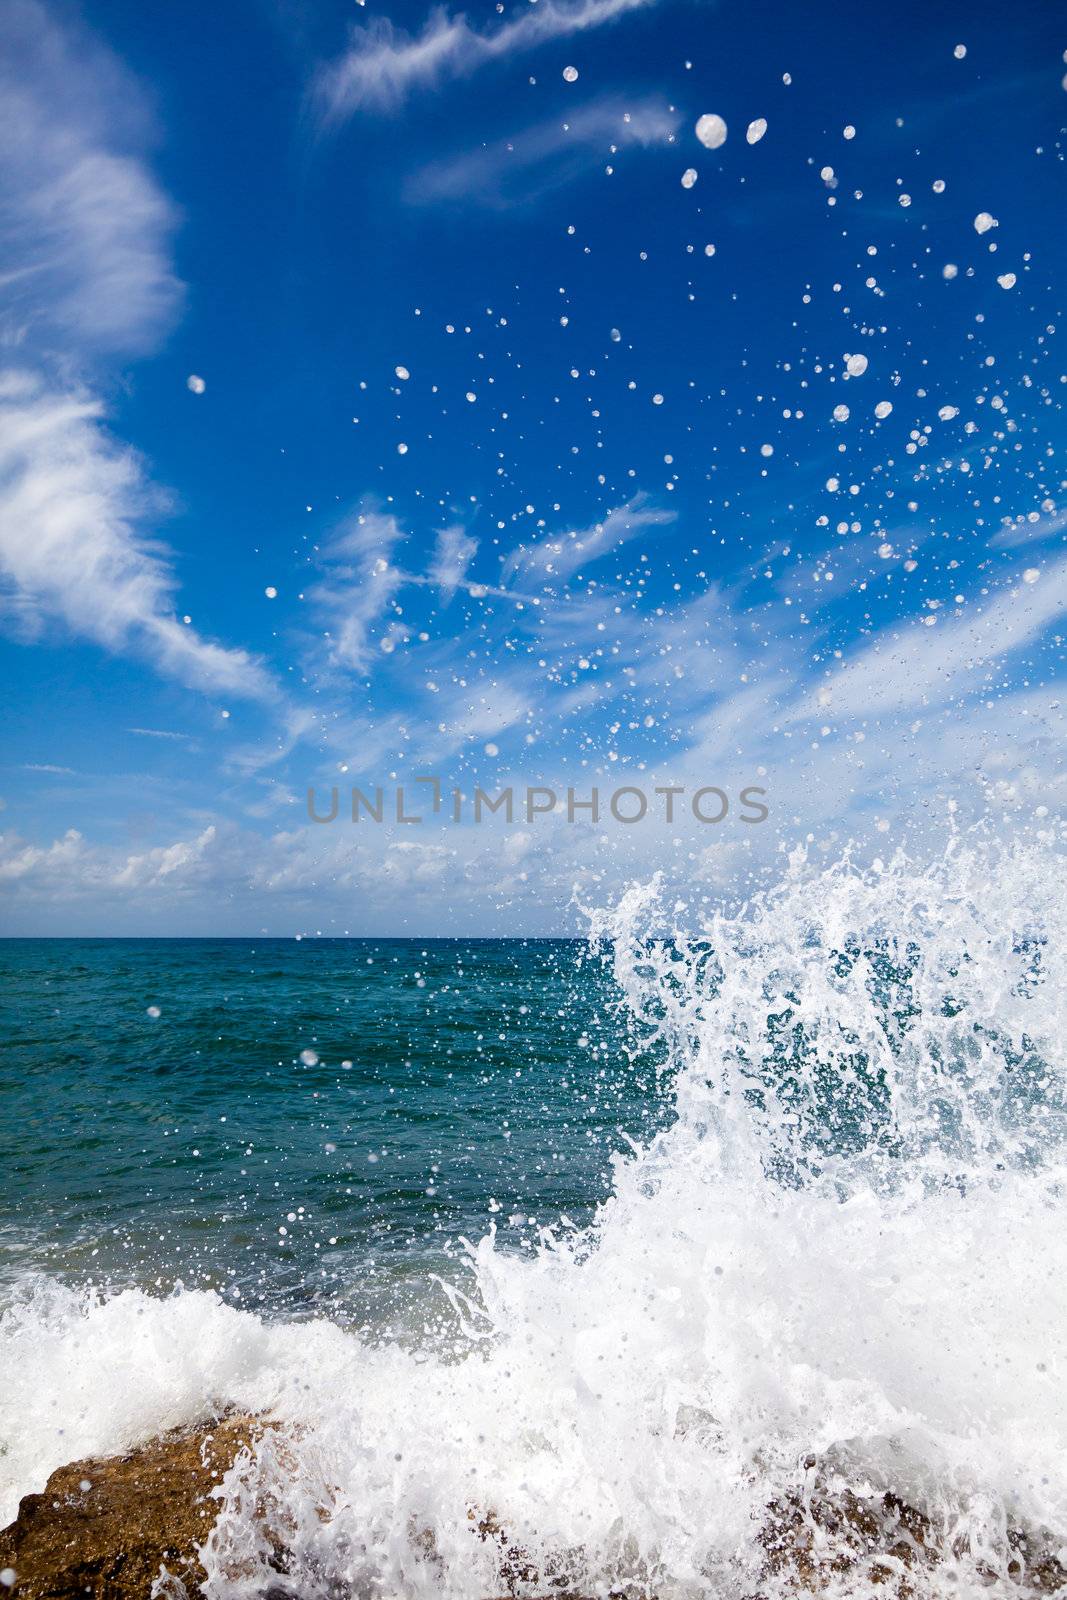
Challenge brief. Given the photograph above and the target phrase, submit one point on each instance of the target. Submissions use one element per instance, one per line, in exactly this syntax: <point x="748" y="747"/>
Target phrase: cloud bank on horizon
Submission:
<point x="575" y="449"/>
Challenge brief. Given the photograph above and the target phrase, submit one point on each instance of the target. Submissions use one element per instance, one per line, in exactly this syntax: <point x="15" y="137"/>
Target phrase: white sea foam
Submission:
<point x="843" y="1265"/>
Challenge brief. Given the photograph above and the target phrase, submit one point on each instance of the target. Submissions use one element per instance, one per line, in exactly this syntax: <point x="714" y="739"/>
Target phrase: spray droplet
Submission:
<point x="711" y="130"/>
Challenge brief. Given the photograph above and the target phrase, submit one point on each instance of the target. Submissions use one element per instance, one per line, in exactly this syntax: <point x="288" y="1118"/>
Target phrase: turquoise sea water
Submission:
<point x="305" y="1126"/>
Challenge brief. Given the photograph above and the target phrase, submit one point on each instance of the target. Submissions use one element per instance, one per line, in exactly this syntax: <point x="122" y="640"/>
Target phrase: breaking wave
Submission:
<point x="818" y="1334"/>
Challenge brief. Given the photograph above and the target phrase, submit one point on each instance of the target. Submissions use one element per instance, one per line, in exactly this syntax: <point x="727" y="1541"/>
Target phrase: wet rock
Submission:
<point x="128" y="1528"/>
<point x="816" y="1542"/>
<point x="106" y="1527"/>
<point x="811" y="1543"/>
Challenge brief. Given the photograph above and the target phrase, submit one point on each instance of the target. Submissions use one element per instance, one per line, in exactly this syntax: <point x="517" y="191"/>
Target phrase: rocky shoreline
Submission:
<point x="109" y="1526"/>
<point x="129" y="1527"/>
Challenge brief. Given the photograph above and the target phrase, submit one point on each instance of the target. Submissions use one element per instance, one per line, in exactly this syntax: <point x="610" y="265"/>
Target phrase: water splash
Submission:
<point x="830" y="1297"/>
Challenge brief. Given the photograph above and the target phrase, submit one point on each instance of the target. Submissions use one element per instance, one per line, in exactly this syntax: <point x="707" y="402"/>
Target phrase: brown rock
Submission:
<point x="140" y="1512"/>
<point x="106" y="1528"/>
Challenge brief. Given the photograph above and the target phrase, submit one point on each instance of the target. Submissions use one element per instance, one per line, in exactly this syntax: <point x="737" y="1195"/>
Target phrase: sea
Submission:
<point x="565" y="1266"/>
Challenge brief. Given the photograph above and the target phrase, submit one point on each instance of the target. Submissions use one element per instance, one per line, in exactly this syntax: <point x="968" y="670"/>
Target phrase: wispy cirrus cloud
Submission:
<point x="383" y="65"/>
<point x="545" y="156"/>
<point x="84" y="227"/>
<point x="86" y="234"/>
<point x="453" y="553"/>
<point x="72" y="501"/>
<point x="555" y="558"/>
<point x="914" y="665"/>
<point x="160" y="733"/>
<point x="359" y="581"/>
<point x="1032" y="529"/>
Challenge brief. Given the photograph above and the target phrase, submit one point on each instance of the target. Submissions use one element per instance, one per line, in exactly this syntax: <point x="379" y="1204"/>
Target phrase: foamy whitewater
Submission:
<point x="842" y="1267"/>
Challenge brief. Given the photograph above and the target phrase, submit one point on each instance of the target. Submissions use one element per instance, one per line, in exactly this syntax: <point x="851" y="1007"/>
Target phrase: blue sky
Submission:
<point x="379" y="397"/>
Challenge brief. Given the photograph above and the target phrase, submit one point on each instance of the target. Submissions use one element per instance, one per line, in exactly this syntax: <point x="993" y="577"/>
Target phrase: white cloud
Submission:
<point x="176" y="861"/>
<point x="915" y="665"/>
<point x="71" y="867"/>
<point x="86" y="233"/>
<point x="383" y="65"/>
<point x="53" y="864"/>
<point x="477" y="712"/>
<point x="360" y="580"/>
<point x="84" y="227"/>
<point x="438" y="877"/>
<point x="453" y="554"/>
<point x="1030" y="529"/>
<point x="544" y="156"/>
<point x="555" y="558"/>
<point x="71" y="504"/>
